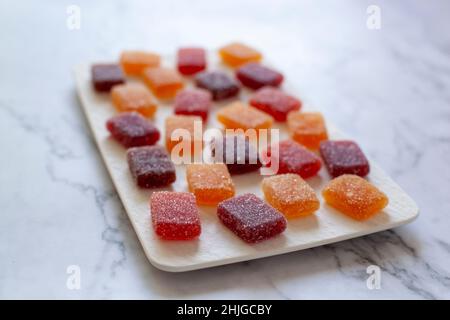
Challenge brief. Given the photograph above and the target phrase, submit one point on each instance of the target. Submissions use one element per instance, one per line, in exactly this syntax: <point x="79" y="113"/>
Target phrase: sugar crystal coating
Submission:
<point x="237" y="115"/>
<point x="151" y="166"/>
<point x="307" y="128"/>
<point x="218" y="83"/>
<point x="250" y="218"/>
<point x="132" y="130"/>
<point x="134" y="62"/>
<point x="290" y="194"/>
<point x="341" y="157"/>
<point x="274" y="102"/>
<point x="164" y="82"/>
<point x="105" y="76"/>
<point x="354" y="196"/>
<point x="236" y="54"/>
<point x="191" y="60"/>
<point x="175" y="215"/>
<point x="133" y="97"/>
<point x="195" y="102"/>
<point x="254" y="76"/>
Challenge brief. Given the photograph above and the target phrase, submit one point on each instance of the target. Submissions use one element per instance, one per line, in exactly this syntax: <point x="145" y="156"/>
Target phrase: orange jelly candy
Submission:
<point x="236" y="54"/>
<point x="290" y="194"/>
<point x="164" y="82"/>
<point x="354" y="196"/>
<point x="307" y="128"/>
<point x="183" y="122"/>
<point x="134" y="62"/>
<point x="210" y="183"/>
<point x="239" y="116"/>
<point x="133" y="97"/>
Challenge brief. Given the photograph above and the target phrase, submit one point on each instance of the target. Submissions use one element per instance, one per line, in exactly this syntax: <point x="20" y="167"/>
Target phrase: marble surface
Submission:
<point x="389" y="88"/>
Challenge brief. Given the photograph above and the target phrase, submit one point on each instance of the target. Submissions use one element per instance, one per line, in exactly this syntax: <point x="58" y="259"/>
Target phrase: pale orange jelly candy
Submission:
<point x="307" y="128"/>
<point x="237" y="115"/>
<point x="133" y="97"/>
<point x="210" y="183"/>
<point x="187" y="123"/>
<point x="290" y="194"/>
<point x="134" y="62"/>
<point x="354" y="196"/>
<point x="164" y="82"/>
<point x="236" y="54"/>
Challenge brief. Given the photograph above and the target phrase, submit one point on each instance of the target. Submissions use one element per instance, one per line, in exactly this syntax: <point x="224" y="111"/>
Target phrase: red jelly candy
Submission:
<point x="274" y="102"/>
<point x="344" y="157"/>
<point x="250" y="218"/>
<point x="193" y="102"/>
<point x="175" y="215"/>
<point x="151" y="166"/>
<point x="191" y="60"/>
<point x="218" y="83"/>
<point x="254" y="76"/>
<point x="105" y="76"/>
<point x="132" y="130"/>
<point x="292" y="157"/>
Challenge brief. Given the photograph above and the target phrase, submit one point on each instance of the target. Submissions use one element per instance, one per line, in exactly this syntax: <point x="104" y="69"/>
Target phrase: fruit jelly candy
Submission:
<point x="218" y="83"/>
<point x="134" y="62"/>
<point x="182" y="122"/>
<point x="195" y="102"/>
<point x="250" y="218"/>
<point x="236" y="54"/>
<point x="237" y="115"/>
<point x="191" y="60"/>
<point x="237" y="153"/>
<point x="254" y="76"/>
<point x="354" y="196"/>
<point x="133" y="97"/>
<point x="307" y="128"/>
<point x="175" y="215"/>
<point x="274" y="102"/>
<point x="164" y="82"/>
<point x="105" y="76"/>
<point x="151" y="166"/>
<point x="294" y="158"/>
<point x="341" y="157"/>
<point x="132" y="130"/>
<point x="210" y="183"/>
<point x="290" y="194"/>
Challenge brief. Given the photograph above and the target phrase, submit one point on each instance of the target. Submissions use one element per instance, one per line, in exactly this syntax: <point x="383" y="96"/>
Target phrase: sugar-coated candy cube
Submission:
<point x="237" y="153"/>
<point x="164" y="82"/>
<point x="254" y="76"/>
<point x="105" y="76"/>
<point x="151" y="166"/>
<point x="218" y="83"/>
<point x="354" y="196"/>
<point x="237" y="115"/>
<point x="290" y="194"/>
<point x="307" y="128"/>
<point x="175" y="215"/>
<point x="250" y="218"/>
<point x="133" y="97"/>
<point x="236" y="54"/>
<point x="294" y="158"/>
<point x="191" y="60"/>
<point x="132" y="130"/>
<point x="194" y="102"/>
<point x="341" y="157"/>
<point x="274" y="102"/>
<point x="210" y="183"/>
<point x="188" y="123"/>
<point x="134" y="62"/>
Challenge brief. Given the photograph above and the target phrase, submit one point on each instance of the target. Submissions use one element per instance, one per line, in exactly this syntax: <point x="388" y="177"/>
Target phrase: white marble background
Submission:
<point x="388" y="88"/>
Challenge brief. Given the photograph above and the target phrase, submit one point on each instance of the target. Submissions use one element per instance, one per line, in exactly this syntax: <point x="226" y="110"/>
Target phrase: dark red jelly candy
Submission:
<point x="344" y="157"/>
<point x="175" y="215"/>
<point x="274" y="102"/>
<point x="151" y="166"/>
<point x="292" y="157"/>
<point x="191" y="60"/>
<point x="250" y="218"/>
<point x="254" y="76"/>
<point x="105" y="76"/>
<point x="237" y="153"/>
<point x="132" y="130"/>
<point x="218" y="83"/>
<point x="193" y="102"/>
